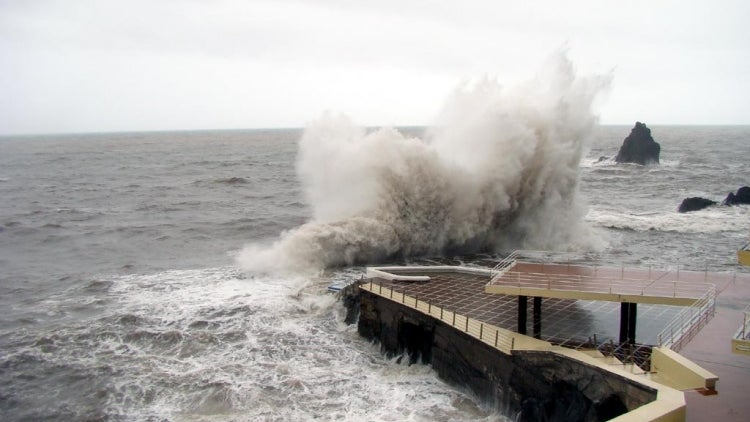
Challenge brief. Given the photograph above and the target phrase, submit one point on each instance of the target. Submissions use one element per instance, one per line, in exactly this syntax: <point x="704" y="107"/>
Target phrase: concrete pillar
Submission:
<point x="632" y="318"/>
<point x="537" y="317"/>
<point x="522" y="308"/>
<point x="628" y="318"/>
<point x="623" y="322"/>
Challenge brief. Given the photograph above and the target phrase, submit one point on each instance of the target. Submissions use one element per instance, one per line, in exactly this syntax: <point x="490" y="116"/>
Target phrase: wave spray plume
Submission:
<point x="499" y="169"/>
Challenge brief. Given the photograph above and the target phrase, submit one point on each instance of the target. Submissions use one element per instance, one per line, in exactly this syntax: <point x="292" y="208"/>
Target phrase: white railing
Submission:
<point x="686" y="324"/>
<point x="603" y="284"/>
<point x="744" y="332"/>
<point x="534" y="255"/>
<point x="504" y="264"/>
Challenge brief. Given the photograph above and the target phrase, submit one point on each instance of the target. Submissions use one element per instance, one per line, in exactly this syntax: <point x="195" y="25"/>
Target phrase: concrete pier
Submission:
<point x="415" y="309"/>
<point x="529" y="382"/>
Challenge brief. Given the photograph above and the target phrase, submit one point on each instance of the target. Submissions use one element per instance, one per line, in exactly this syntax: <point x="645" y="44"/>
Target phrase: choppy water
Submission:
<point x="637" y="206"/>
<point x="120" y="298"/>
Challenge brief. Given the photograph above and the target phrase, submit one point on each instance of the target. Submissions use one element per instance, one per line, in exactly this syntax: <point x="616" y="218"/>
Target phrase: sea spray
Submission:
<point x="499" y="169"/>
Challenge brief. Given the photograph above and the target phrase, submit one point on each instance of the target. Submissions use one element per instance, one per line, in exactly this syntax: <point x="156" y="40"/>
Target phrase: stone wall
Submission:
<point x="527" y="385"/>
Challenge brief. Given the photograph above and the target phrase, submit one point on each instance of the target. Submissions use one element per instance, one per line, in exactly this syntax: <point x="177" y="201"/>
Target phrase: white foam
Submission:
<point x="212" y="345"/>
<point x="711" y="220"/>
<point x="499" y="170"/>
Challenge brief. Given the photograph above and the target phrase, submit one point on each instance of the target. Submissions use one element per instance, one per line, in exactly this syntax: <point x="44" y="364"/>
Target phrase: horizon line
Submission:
<point x="269" y="128"/>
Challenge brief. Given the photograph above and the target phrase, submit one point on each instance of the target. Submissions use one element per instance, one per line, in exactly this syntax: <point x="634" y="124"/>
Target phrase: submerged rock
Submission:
<point x="741" y="197"/>
<point x="639" y="147"/>
<point x="694" y="204"/>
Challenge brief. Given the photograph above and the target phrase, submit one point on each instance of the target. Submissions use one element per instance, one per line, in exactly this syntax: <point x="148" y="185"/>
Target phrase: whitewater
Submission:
<point x="498" y="169"/>
<point x="182" y="275"/>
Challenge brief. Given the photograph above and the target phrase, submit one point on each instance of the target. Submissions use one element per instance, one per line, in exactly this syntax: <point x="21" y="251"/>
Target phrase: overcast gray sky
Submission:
<point x="82" y="66"/>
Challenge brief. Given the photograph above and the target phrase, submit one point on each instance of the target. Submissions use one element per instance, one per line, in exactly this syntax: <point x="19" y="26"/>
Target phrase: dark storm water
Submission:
<point x="119" y="297"/>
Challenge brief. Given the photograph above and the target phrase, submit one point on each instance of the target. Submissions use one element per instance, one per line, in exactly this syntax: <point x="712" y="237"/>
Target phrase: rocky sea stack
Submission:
<point x="639" y="147"/>
<point x="741" y="197"/>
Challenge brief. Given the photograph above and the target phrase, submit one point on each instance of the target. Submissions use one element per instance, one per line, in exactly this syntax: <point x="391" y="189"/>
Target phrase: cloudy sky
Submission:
<point x="88" y="66"/>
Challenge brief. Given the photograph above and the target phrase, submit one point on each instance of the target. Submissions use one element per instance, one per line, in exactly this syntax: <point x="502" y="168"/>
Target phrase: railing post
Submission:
<point x="497" y="332"/>
<point x="481" y="329"/>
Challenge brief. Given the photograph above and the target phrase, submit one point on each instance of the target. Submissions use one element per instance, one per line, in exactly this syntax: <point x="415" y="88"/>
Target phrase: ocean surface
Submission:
<point x="121" y="296"/>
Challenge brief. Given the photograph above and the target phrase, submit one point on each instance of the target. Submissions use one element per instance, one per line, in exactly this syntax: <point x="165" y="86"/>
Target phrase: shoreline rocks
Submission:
<point x="639" y="147"/>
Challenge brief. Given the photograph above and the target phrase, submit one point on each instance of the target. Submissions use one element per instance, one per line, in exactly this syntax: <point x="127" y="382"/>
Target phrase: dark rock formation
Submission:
<point x="639" y="147"/>
<point x="694" y="204"/>
<point x="349" y="295"/>
<point x="741" y="197"/>
<point x="526" y="385"/>
<point x="697" y="203"/>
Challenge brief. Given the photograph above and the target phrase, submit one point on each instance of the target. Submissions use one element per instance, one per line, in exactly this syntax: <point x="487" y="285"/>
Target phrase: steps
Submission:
<point x="613" y="361"/>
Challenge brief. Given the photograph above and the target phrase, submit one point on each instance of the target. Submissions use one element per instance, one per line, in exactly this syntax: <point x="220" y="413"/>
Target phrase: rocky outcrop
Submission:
<point x="526" y="385"/>
<point x="741" y="197"/>
<point x="639" y="147"/>
<point x="695" y="204"/>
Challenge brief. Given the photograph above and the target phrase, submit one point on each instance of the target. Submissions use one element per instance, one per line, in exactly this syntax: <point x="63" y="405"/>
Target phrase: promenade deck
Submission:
<point x="580" y="309"/>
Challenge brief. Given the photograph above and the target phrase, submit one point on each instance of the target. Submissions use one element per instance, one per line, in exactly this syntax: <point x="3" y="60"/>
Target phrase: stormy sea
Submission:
<point x="182" y="275"/>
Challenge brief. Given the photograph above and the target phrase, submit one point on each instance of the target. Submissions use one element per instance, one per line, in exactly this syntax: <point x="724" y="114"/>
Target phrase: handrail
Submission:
<point x="511" y="259"/>
<point x="639" y="355"/>
<point x="504" y="264"/>
<point x="685" y="325"/>
<point x="600" y="284"/>
<point x="744" y="332"/>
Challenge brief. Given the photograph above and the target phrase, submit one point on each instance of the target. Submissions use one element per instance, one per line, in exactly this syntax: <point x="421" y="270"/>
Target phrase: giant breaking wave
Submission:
<point x="499" y="169"/>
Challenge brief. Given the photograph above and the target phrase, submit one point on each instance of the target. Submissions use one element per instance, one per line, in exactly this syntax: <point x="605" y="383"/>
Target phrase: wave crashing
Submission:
<point x="499" y="169"/>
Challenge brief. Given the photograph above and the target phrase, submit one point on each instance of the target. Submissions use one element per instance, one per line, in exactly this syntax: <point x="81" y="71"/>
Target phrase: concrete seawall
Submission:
<point x="525" y="384"/>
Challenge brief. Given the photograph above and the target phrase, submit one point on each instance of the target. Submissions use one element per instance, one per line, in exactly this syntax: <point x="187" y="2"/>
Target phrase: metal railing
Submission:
<point x="603" y="284"/>
<point x="744" y="332"/>
<point x="499" y="338"/>
<point x="502" y="266"/>
<point x="686" y="324"/>
<point x="628" y="355"/>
